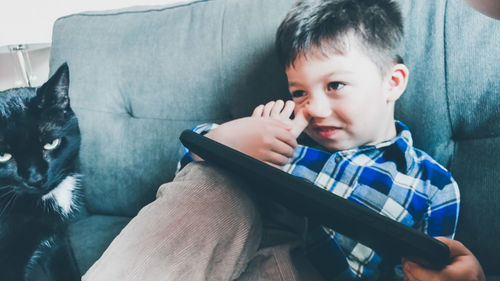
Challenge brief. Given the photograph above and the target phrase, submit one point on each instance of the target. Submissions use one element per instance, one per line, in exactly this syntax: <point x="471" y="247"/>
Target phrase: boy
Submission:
<point x="344" y="75"/>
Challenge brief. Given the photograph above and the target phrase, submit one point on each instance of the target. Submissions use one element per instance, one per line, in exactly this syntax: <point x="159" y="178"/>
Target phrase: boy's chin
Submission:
<point x="333" y="145"/>
<point x="342" y="141"/>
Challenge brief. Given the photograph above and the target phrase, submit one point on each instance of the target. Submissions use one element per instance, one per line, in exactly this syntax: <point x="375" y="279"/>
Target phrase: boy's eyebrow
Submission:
<point x="293" y="83"/>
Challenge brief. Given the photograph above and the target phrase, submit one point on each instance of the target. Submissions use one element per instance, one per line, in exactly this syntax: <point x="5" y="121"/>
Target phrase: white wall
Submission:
<point x="30" y="21"/>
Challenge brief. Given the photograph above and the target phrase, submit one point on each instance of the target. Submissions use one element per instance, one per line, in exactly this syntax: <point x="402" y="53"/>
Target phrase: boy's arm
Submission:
<point x="443" y="211"/>
<point x="268" y="135"/>
<point x="265" y="139"/>
<point x="441" y="222"/>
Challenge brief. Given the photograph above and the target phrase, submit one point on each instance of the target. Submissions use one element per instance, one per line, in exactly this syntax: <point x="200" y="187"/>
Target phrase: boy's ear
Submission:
<point x="397" y="82"/>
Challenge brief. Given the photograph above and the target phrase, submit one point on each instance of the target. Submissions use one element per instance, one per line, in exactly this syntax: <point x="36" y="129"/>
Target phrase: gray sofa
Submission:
<point x="139" y="76"/>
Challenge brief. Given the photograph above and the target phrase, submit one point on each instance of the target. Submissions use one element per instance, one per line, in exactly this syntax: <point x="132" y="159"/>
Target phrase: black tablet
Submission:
<point x="387" y="237"/>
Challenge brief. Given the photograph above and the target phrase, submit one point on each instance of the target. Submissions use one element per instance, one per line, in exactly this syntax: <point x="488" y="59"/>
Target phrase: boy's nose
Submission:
<point x="319" y="106"/>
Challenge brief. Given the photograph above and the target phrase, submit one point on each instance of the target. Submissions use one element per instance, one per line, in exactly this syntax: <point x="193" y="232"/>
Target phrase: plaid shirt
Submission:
<point x="392" y="178"/>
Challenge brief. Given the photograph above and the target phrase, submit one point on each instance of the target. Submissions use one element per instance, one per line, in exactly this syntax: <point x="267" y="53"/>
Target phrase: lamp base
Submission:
<point x="20" y="51"/>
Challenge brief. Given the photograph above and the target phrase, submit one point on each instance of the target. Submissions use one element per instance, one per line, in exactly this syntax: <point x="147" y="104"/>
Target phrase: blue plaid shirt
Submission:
<point x="392" y="178"/>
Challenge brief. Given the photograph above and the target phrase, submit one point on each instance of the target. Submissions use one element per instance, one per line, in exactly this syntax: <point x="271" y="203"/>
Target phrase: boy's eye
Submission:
<point x="333" y="86"/>
<point x="4" y="157"/>
<point x="298" y="94"/>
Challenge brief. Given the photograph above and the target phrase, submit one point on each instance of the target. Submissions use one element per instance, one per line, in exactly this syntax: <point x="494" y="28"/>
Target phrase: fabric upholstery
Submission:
<point x="141" y="75"/>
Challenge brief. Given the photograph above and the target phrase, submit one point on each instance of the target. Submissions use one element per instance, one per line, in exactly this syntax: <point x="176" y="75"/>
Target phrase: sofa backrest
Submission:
<point x="139" y="76"/>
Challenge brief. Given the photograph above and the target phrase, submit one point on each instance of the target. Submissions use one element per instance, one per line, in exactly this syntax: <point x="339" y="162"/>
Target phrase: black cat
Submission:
<point x="39" y="145"/>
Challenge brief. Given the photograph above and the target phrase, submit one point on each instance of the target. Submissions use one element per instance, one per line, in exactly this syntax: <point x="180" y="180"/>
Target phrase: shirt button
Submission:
<point x="338" y="159"/>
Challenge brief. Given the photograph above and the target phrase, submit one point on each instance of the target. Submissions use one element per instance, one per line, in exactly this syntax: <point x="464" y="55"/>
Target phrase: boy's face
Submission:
<point x="349" y="102"/>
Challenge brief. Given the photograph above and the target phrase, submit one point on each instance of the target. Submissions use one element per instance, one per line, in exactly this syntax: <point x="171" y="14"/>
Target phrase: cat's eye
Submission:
<point x="4" y="157"/>
<point x="52" y="145"/>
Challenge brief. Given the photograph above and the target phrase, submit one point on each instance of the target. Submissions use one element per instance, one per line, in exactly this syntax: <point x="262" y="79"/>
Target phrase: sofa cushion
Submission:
<point x="141" y="76"/>
<point x="90" y="236"/>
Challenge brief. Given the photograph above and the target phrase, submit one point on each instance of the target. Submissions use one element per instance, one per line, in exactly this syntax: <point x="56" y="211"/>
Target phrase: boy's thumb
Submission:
<point x="299" y="123"/>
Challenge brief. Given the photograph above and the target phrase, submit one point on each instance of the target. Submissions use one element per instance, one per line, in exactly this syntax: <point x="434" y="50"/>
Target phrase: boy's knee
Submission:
<point x="213" y="198"/>
<point x="216" y="213"/>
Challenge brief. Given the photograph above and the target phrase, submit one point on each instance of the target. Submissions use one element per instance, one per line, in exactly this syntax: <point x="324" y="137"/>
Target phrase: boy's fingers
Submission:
<point x="299" y="123"/>
<point x="288" y="109"/>
<point x="456" y="247"/>
<point x="283" y="148"/>
<point x="267" y="109"/>
<point x="414" y="272"/>
<point x="277" y="160"/>
<point x="286" y="125"/>
<point x="288" y="138"/>
<point x="277" y="107"/>
<point x="257" y="112"/>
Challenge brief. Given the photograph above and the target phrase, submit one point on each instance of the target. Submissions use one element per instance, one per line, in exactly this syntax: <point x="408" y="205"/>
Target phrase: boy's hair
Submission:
<point x="326" y="25"/>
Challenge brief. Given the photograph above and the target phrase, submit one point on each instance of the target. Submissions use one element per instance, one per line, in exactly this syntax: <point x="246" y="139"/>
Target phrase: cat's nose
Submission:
<point x="35" y="179"/>
<point x="34" y="175"/>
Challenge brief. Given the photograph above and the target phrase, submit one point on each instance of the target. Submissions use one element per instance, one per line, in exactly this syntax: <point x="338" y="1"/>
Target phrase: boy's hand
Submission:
<point x="265" y="139"/>
<point x="463" y="266"/>
<point x="282" y="111"/>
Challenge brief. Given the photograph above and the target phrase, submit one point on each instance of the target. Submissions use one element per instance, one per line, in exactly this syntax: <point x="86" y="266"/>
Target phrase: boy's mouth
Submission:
<point x="325" y="131"/>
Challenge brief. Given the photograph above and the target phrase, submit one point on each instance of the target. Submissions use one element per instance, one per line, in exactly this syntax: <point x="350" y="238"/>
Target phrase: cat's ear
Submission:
<point x="55" y="92"/>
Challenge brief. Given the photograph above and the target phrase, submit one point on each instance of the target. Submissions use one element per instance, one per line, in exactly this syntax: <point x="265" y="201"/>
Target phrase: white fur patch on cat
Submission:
<point x="62" y="195"/>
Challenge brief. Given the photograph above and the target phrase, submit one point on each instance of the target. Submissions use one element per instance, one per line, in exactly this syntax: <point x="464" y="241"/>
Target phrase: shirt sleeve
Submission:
<point x="442" y="215"/>
<point x="184" y="154"/>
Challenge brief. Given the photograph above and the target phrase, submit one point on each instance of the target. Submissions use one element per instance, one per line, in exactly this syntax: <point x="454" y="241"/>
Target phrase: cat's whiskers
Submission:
<point x="5" y="186"/>
<point x="10" y="202"/>
<point x="7" y="193"/>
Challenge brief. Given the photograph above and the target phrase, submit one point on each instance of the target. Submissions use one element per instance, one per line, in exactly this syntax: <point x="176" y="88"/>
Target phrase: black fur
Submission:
<point x="39" y="145"/>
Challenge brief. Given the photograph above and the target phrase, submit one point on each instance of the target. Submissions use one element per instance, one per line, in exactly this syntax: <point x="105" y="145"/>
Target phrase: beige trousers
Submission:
<point x="207" y="225"/>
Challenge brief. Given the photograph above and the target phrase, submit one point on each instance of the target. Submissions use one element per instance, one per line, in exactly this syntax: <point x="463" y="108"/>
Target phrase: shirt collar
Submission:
<point x="399" y="149"/>
<point x="402" y="134"/>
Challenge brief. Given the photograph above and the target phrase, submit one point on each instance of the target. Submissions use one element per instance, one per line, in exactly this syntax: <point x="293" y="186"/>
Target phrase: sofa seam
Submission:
<point x="221" y="63"/>
<point x="114" y="12"/>
<point x="445" y="66"/>
<point x="446" y="88"/>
